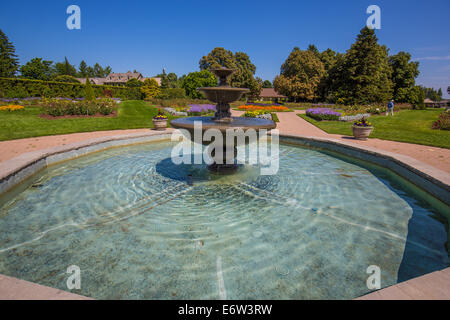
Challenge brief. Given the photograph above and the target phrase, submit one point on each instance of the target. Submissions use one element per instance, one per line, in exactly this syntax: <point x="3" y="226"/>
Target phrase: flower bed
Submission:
<point x="323" y="114"/>
<point x="258" y="114"/>
<point x="64" y="107"/>
<point x="11" y="107"/>
<point x="200" y="109"/>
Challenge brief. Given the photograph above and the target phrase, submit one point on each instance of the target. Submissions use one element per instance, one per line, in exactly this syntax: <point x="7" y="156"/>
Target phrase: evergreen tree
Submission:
<point x="9" y="64"/>
<point x="82" y="69"/>
<point x="107" y="71"/>
<point x="89" y="91"/>
<point x="65" y="68"/>
<point x="363" y="75"/>
<point x="164" y="80"/>
<point x="98" y="71"/>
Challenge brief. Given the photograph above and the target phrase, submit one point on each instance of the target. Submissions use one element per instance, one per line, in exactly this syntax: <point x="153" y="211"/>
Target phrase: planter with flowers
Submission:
<point x="362" y="129"/>
<point x="160" y="121"/>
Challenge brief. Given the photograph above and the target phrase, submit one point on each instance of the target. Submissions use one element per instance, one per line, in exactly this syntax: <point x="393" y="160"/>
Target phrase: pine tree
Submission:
<point x="82" y="70"/>
<point x="9" y="64"/>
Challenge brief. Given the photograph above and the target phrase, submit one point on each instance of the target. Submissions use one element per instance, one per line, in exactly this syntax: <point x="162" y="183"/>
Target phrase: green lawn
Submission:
<point x="413" y="126"/>
<point x="27" y="123"/>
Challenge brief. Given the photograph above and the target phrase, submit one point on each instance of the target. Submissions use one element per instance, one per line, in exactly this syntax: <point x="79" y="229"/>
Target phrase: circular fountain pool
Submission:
<point x="140" y="227"/>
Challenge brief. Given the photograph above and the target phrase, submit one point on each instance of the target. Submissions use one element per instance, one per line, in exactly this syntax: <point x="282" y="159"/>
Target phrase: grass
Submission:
<point x="413" y="126"/>
<point x="27" y="123"/>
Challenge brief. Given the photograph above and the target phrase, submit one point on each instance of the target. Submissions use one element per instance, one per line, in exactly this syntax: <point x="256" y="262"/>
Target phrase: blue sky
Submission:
<point x="151" y="35"/>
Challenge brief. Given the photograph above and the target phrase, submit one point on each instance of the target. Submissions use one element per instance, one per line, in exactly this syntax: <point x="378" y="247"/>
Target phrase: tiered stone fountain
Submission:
<point x="223" y="95"/>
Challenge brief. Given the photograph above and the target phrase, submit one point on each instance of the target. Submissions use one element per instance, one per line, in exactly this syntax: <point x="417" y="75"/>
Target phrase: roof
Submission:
<point x="123" y="77"/>
<point x="270" y="93"/>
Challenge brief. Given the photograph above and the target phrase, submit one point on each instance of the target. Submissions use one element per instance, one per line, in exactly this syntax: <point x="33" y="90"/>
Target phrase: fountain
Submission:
<point x="223" y="95"/>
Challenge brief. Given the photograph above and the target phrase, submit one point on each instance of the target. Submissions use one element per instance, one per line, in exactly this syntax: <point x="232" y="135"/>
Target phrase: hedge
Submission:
<point x="24" y="88"/>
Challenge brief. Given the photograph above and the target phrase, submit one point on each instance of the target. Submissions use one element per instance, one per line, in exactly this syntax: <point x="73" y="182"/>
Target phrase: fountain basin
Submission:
<point x="131" y="209"/>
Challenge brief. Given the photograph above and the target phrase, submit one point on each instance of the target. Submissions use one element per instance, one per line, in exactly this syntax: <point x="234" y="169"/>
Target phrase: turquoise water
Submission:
<point x="140" y="227"/>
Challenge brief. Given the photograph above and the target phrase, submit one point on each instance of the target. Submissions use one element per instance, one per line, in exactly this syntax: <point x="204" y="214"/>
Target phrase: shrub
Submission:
<point x="443" y="122"/>
<point x="172" y="93"/>
<point x="66" y="78"/>
<point x="88" y="91"/>
<point x="150" y="88"/>
<point x="323" y="114"/>
<point x="24" y="88"/>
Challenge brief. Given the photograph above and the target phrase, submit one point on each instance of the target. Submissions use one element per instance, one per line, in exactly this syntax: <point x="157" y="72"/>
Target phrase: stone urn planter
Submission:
<point x="160" y="124"/>
<point x="160" y="121"/>
<point x="362" y="129"/>
<point x="361" y="133"/>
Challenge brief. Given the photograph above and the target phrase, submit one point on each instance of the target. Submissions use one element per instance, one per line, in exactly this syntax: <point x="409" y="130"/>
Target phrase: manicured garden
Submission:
<point x="412" y="126"/>
<point x="27" y="122"/>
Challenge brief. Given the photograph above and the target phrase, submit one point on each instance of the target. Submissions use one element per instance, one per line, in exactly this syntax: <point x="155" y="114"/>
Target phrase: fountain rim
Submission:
<point x="224" y="88"/>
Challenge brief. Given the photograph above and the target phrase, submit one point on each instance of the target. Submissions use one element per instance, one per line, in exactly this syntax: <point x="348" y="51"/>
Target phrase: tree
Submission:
<point x="218" y="57"/>
<point x="239" y="61"/>
<point x="150" y="88"/>
<point x="329" y="59"/>
<point x="98" y="71"/>
<point x="37" y="69"/>
<point x="65" y="68"/>
<point x="414" y="95"/>
<point x="82" y="69"/>
<point x="404" y="73"/>
<point x="90" y="72"/>
<point x="267" y="84"/>
<point x="107" y="71"/>
<point x="9" y="64"/>
<point x="89" y="91"/>
<point x="64" y="78"/>
<point x="164" y="80"/>
<point x="196" y="80"/>
<point x="363" y="75"/>
<point x="314" y="50"/>
<point x="300" y="76"/>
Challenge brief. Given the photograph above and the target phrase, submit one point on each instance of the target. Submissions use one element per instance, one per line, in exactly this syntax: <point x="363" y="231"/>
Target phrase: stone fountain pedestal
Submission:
<point x="223" y="95"/>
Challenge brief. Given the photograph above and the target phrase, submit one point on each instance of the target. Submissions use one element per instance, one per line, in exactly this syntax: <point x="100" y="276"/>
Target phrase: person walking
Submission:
<point x="390" y="108"/>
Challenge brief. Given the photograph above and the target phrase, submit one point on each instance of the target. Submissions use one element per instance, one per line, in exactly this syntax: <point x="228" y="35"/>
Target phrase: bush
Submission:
<point x="88" y="91"/>
<point x="65" y="78"/>
<point x="150" y="89"/>
<point x="443" y="122"/>
<point x="24" y="88"/>
<point x="172" y="93"/>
